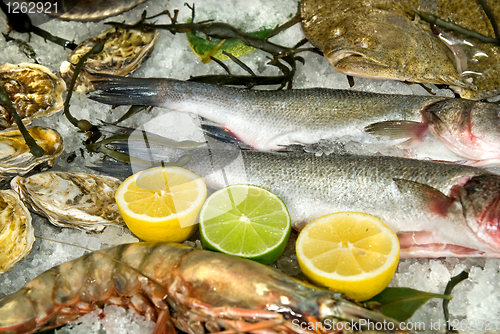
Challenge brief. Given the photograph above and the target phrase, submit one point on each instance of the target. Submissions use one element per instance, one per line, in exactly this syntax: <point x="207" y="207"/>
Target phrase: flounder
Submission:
<point x="387" y="40"/>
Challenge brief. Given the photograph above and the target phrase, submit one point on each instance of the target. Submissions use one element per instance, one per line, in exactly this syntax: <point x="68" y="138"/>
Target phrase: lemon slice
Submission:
<point x="162" y="203"/>
<point x="245" y="221"/>
<point x="350" y="252"/>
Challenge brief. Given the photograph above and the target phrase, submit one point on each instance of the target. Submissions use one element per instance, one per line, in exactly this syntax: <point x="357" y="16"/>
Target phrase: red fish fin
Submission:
<point x="224" y="135"/>
<point x="436" y="201"/>
<point x="398" y="129"/>
<point x="426" y="244"/>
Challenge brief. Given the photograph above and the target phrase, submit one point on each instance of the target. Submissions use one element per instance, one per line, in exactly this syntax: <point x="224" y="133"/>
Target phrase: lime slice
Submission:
<point x="245" y="221"/>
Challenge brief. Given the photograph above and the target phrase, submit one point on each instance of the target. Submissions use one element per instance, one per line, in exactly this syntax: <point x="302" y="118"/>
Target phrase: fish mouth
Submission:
<point x="359" y="64"/>
<point x="362" y="64"/>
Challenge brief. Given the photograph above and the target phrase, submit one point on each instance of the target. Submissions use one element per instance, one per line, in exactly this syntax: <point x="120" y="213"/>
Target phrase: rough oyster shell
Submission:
<point x="15" y="155"/>
<point x="124" y="51"/>
<point x="67" y="199"/>
<point x="34" y="91"/>
<point x="91" y="10"/>
<point x="16" y="232"/>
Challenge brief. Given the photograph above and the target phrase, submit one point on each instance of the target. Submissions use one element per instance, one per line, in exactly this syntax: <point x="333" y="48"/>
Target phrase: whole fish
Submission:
<point x="382" y="39"/>
<point x="272" y="120"/>
<point x="379" y="40"/>
<point x="437" y="209"/>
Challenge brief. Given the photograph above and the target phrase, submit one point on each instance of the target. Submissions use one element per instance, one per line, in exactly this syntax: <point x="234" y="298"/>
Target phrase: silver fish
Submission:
<point x="272" y="120"/>
<point x="437" y="209"/>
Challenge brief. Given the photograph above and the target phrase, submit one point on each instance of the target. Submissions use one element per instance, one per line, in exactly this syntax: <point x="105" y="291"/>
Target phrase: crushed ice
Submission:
<point x="474" y="299"/>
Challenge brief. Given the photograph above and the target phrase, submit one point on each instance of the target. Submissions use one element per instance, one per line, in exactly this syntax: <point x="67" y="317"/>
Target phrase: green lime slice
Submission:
<point x="245" y="221"/>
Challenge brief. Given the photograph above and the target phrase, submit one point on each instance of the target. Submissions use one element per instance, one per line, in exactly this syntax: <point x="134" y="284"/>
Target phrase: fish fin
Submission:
<point x="456" y="162"/>
<point x="223" y="135"/>
<point x="398" y="129"/>
<point x="436" y="201"/>
<point x="113" y="129"/>
<point x="111" y="167"/>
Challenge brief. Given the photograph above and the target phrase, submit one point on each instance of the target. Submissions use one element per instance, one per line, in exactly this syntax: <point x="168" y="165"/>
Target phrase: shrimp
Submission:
<point x="193" y="290"/>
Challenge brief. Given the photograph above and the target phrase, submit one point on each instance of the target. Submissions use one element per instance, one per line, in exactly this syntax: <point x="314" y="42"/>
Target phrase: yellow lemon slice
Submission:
<point x="350" y="252"/>
<point x="162" y="203"/>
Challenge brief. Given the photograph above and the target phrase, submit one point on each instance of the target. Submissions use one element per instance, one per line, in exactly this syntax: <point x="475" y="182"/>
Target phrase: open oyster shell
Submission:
<point x="33" y="90"/>
<point x="124" y="51"/>
<point x="15" y="155"/>
<point x="68" y="199"/>
<point x="16" y="232"/>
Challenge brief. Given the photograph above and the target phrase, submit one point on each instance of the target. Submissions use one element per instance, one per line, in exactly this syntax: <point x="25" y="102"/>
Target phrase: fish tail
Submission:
<point x="116" y="90"/>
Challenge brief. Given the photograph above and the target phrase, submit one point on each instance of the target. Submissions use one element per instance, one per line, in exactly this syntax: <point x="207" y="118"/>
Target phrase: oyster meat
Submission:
<point x="16" y="232"/>
<point x="33" y="90"/>
<point x="69" y="199"/>
<point x="15" y="155"/>
<point x="124" y="51"/>
<point x="91" y="10"/>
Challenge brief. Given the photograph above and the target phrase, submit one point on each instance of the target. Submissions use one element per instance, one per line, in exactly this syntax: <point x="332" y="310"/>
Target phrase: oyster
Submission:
<point x="15" y="155"/>
<point x="16" y="232"/>
<point x="69" y="199"/>
<point x="34" y="91"/>
<point x="124" y="51"/>
<point x="91" y="10"/>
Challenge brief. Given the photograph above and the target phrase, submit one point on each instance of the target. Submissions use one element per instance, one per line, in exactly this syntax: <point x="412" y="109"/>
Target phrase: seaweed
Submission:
<point x="433" y="19"/>
<point x="36" y="150"/>
<point x="449" y="287"/>
<point x="82" y="124"/>
<point x="23" y="47"/>
<point x="282" y="57"/>
<point x="21" y="22"/>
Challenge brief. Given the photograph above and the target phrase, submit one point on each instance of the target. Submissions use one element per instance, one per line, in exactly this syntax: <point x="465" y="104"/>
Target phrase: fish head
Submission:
<point x="469" y="129"/>
<point x="480" y="198"/>
<point x="378" y="42"/>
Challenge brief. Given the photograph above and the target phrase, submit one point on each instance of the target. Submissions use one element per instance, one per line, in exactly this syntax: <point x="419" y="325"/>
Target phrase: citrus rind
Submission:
<point x="357" y="283"/>
<point x="223" y="227"/>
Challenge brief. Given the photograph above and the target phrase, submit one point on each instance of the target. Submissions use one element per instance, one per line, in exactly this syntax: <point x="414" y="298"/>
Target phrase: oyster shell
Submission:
<point x="34" y="91"/>
<point x="91" y="10"/>
<point x="16" y="232"/>
<point x="69" y="199"/>
<point x="15" y="155"/>
<point x="124" y="51"/>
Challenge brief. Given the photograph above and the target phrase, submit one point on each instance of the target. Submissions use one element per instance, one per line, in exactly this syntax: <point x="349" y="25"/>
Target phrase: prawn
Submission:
<point x="193" y="290"/>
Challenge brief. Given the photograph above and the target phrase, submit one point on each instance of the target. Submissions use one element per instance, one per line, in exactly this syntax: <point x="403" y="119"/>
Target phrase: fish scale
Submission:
<point x="438" y="202"/>
<point x="273" y="120"/>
